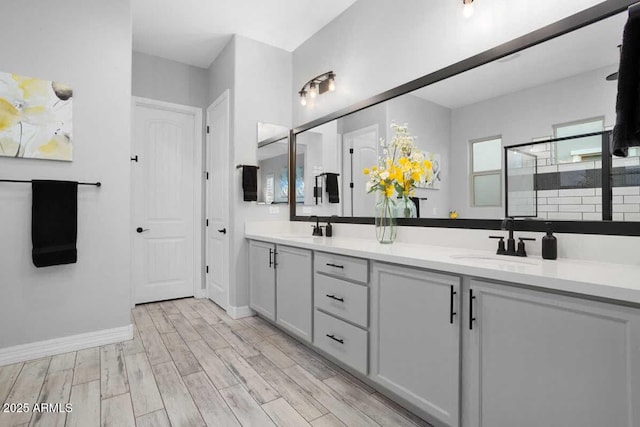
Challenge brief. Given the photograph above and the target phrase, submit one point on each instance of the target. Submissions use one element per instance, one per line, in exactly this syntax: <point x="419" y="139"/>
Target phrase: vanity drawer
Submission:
<point x="342" y="299"/>
<point x="343" y="341"/>
<point x="356" y="269"/>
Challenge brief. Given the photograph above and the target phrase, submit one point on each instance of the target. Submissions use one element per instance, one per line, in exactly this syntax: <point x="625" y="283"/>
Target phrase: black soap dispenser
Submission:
<point x="549" y="244"/>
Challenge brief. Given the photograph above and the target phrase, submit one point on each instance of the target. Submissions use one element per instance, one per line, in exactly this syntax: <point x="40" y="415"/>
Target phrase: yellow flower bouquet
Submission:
<point x="400" y="169"/>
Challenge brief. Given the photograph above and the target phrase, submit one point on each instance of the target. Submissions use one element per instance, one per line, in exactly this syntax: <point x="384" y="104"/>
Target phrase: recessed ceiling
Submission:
<point x="194" y="32"/>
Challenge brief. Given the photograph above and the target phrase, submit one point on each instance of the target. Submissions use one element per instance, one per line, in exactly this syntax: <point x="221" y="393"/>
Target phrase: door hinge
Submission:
<point x="208" y="130"/>
<point x="207" y="269"/>
<point x="207" y="173"/>
<point x="351" y="185"/>
<point x="207" y="221"/>
<point x="350" y="150"/>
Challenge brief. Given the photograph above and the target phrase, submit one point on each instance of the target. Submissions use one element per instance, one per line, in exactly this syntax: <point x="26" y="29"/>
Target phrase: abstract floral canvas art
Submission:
<point x="35" y="118"/>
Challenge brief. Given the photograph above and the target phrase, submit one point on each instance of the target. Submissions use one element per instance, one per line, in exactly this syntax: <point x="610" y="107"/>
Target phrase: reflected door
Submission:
<point x="360" y="151"/>
<point x="163" y="203"/>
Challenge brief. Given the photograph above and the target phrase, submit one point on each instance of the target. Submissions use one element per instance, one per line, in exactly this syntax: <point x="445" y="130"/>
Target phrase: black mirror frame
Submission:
<point x="574" y="22"/>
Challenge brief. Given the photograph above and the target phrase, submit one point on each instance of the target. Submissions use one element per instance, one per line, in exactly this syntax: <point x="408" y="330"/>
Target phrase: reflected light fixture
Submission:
<point x="467" y="8"/>
<point x="325" y="82"/>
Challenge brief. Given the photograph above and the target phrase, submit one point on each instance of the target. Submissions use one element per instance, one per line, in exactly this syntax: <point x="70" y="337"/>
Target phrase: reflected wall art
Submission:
<point x="35" y="118"/>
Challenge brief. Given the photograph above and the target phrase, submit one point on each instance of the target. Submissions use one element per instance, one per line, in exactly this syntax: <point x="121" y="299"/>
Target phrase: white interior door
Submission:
<point x="360" y="151"/>
<point x="164" y="200"/>
<point x="218" y="201"/>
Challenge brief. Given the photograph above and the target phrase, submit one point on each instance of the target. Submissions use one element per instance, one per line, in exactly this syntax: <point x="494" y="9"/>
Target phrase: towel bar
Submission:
<point x="97" y="184"/>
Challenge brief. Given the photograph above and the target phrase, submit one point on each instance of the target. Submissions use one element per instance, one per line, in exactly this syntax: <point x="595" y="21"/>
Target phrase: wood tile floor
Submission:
<point x="190" y="364"/>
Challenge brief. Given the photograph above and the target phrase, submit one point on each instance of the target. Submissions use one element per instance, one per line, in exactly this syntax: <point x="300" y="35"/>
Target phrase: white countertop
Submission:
<point x="603" y="280"/>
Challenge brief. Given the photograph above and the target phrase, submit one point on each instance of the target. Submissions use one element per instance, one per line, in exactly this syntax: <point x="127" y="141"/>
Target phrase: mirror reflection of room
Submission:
<point x="558" y="89"/>
<point x="273" y="163"/>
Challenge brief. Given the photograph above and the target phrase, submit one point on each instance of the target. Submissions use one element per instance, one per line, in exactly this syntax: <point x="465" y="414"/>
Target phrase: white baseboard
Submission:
<point x="240" y="312"/>
<point x="36" y="350"/>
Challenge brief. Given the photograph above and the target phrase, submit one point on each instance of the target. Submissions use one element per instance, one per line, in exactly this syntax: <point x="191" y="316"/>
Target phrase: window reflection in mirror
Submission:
<point x="273" y="160"/>
<point x="552" y="90"/>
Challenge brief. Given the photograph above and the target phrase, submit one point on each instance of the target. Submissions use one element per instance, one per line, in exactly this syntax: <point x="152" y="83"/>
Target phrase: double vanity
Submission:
<point x="461" y="337"/>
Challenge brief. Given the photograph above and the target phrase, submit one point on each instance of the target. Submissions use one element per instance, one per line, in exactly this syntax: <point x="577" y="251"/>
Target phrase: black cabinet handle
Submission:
<point x="270" y="259"/>
<point x="471" y="318"/>
<point x="275" y="258"/>
<point x="335" y="265"/>
<point x="333" y="337"/>
<point x="134" y="159"/>
<point x="335" y="298"/>
<point x="223" y="231"/>
<point x="141" y="230"/>
<point x="451" y="312"/>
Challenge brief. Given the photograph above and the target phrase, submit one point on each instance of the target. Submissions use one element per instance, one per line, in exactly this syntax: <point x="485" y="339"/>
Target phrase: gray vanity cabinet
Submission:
<point x="538" y="359"/>
<point x="262" y="278"/>
<point x="415" y="338"/>
<point x="294" y="290"/>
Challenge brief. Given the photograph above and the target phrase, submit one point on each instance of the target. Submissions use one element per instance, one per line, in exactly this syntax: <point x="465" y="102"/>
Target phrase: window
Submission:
<point x="580" y="149"/>
<point x="486" y="172"/>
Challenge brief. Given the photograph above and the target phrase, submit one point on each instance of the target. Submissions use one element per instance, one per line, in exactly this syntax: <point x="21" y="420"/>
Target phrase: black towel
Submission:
<point x="626" y="133"/>
<point x="332" y="187"/>
<point x="54" y="222"/>
<point x="250" y="183"/>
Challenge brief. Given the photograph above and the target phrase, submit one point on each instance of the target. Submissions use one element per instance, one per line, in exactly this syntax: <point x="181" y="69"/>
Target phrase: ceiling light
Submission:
<point x="317" y="86"/>
<point x="467" y="8"/>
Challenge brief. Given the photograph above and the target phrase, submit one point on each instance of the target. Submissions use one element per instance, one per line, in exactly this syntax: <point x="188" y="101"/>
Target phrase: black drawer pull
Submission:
<point x="451" y="308"/>
<point x="333" y="337"/>
<point x="335" y="298"/>
<point x="270" y="257"/>
<point x="335" y="265"/>
<point x="471" y="318"/>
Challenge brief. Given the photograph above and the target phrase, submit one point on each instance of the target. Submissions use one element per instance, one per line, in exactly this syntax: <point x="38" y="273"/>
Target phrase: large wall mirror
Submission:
<point x="553" y="102"/>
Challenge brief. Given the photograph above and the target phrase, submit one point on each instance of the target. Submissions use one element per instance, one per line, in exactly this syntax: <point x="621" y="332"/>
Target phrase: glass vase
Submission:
<point x="406" y="208"/>
<point x="386" y="228"/>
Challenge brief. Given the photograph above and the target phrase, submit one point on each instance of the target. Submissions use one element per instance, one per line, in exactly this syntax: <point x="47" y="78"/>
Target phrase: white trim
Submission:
<point x="198" y="220"/>
<point x="36" y="350"/>
<point x="240" y="312"/>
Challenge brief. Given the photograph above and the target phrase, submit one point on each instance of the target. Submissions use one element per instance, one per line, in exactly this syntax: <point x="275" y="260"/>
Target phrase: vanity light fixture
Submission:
<point x="467" y="8"/>
<point x="325" y="82"/>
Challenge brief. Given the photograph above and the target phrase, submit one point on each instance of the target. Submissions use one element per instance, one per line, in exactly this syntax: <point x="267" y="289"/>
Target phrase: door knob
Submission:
<point x="140" y="229"/>
<point x="223" y="231"/>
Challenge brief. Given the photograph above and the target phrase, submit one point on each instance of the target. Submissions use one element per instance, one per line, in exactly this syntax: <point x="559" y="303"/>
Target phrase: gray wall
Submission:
<point x="376" y="45"/>
<point x="521" y="116"/>
<point x="170" y="81"/>
<point x="88" y="47"/>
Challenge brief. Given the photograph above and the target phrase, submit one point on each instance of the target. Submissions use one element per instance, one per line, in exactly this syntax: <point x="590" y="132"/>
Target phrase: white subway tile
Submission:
<point x="618" y="200"/>
<point x="542" y="200"/>
<point x="542" y="215"/>
<point x="577" y="166"/>
<point x="587" y="216"/>
<point x="566" y="216"/>
<point x="598" y="208"/>
<point x="626" y="191"/>
<point x="632" y="216"/>
<point x="577" y="208"/>
<point x="626" y="208"/>
<point x="618" y="217"/>
<point x="595" y="200"/>
<point x="548" y="193"/>
<point x="542" y="162"/>
<point x="598" y="191"/>
<point x="631" y="199"/>
<point x="547" y="169"/>
<point x="547" y="208"/>
<point x="628" y="161"/>
<point x="564" y="200"/>
<point x="577" y="192"/>
<point x="544" y="155"/>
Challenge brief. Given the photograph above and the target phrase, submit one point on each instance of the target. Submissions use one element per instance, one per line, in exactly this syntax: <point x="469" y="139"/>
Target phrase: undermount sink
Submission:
<point x="495" y="259"/>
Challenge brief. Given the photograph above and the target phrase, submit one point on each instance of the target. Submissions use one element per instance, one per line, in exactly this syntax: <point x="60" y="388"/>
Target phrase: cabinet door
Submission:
<point x="262" y="279"/>
<point x="540" y="359"/>
<point x="293" y="272"/>
<point x="415" y="340"/>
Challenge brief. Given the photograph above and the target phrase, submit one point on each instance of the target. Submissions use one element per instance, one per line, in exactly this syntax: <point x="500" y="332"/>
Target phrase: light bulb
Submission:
<point x="313" y="90"/>
<point x="303" y="98"/>
<point x="467" y="9"/>
<point x="332" y="84"/>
